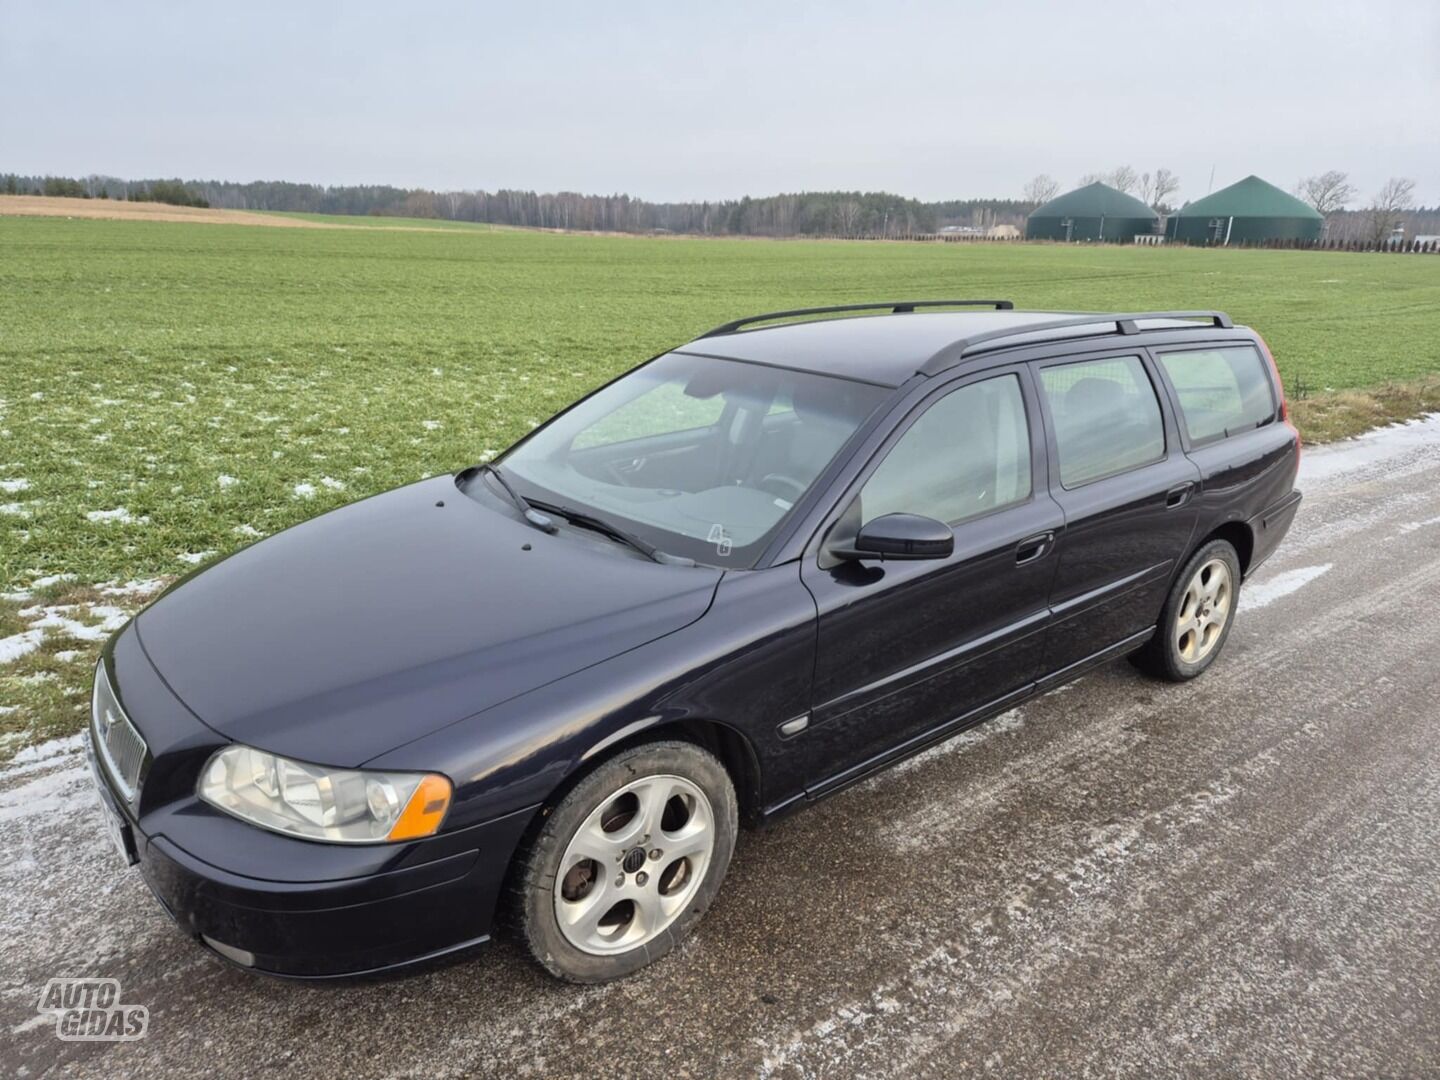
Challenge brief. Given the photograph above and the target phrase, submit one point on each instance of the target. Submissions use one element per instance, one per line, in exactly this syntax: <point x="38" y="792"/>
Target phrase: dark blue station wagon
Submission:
<point x="732" y="581"/>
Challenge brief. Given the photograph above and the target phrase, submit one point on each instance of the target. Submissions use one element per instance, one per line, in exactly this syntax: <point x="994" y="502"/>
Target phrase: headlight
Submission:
<point x="343" y="806"/>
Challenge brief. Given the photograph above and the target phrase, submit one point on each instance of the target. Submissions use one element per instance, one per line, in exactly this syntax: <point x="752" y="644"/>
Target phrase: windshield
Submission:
<point x="701" y="458"/>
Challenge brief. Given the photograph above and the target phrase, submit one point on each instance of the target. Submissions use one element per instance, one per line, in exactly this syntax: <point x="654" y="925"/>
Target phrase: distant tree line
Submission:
<point x="819" y="213"/>
<point x="811" y="213"/>
<point x="173" y="192"/>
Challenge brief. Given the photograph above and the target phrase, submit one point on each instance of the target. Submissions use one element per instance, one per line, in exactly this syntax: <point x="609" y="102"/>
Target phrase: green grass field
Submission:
<point x="169" y="391"/>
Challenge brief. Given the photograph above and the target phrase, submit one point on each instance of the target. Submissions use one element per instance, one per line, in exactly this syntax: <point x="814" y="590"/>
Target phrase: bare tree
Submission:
<point x="1092" y="178"/>
<point x="848" y="212"/>
<point x="1328" y="192"/>
<point x="1392" y="200"/>
<point x="1166" y="183"/>
<point x="1145" y="189"/>
<point x="1041" y="190"/>
<point x="1123" y="179"/>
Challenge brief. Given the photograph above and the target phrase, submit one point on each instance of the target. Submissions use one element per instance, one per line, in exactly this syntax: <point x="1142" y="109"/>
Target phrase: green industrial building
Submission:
<point x="1249" y="212"/>
<point x="1094" y="212"/>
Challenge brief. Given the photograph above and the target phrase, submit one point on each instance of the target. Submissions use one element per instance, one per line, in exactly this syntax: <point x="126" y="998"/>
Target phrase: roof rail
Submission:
<point x="1124" y="324"/>
<point x="895" y="307"/>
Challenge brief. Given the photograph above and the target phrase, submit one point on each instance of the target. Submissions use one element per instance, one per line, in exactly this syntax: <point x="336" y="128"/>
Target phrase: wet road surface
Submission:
<point x="1239" y="876"/>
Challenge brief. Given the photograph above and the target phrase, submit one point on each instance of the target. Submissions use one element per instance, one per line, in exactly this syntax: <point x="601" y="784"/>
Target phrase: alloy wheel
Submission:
<point x="633" y="864"/>
<point x="1204" y="611"/>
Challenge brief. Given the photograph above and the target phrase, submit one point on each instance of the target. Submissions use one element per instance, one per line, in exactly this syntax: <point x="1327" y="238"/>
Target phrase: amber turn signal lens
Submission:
<point x="425" y="810"/>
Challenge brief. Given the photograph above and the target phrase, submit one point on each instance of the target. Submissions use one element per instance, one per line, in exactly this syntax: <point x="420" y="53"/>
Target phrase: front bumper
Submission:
<point x="335" y="928"/>
<point x="278" y="904"/>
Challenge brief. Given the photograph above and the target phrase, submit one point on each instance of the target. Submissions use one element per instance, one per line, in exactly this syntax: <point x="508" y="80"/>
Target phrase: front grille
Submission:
<point x="116" y="738"/>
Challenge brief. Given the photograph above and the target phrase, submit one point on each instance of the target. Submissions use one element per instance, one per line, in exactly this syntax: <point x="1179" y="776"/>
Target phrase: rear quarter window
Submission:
<point x="1221" y="391"/>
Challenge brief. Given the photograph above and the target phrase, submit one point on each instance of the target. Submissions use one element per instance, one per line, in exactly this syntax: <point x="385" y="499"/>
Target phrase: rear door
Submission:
<point x="905" y="647"/>
<point x="1128" y="494"/>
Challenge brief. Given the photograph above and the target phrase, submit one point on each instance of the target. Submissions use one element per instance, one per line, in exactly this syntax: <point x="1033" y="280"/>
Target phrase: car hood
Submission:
<point x="385" y="620"/>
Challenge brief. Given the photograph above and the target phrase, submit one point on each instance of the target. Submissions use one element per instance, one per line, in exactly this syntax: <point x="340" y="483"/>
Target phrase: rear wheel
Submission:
<point x="1197" y="616"/>
<point x="627" y="863"/>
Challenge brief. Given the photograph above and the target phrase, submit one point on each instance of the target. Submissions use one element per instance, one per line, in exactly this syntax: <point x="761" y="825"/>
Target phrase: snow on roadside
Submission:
<point x="1262" y="594"/>
<point x="42" y="756"/>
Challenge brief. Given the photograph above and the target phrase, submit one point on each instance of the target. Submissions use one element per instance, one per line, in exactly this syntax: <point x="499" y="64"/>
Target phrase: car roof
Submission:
<point x="889" y="349"/>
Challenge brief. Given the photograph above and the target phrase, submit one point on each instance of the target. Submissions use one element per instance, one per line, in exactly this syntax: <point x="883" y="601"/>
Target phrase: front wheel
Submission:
<point x="627" y="863"/>
<point x="1197" y="616"/>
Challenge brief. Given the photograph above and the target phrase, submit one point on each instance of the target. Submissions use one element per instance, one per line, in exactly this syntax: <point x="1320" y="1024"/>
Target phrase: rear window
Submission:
<point x="1221" y="391"/>
<point x="1107" y="419"/>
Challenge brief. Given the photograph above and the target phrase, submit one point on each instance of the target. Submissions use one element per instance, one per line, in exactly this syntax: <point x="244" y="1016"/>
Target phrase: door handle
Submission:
<point x="1179" y="495"/>
<point x="1033" y="547"/>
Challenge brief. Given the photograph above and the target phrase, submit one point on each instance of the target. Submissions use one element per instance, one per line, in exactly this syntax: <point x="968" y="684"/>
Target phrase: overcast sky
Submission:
<point x="673" y="101"/>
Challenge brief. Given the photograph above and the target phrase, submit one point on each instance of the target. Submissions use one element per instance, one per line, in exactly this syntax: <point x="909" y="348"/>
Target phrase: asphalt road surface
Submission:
<point x="1238" y="877"/>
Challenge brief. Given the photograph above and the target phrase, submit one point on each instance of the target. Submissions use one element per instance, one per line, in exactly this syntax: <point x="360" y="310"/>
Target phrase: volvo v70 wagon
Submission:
<point x="732" y="581"/>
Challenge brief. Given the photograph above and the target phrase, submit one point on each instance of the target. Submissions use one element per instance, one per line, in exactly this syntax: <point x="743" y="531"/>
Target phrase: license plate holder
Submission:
<point x="116" y="827"/>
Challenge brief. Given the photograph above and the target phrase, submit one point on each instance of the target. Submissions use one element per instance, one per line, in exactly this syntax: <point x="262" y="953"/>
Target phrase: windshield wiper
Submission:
<point x="533" y="516"/>
<point x="600" y="525"/>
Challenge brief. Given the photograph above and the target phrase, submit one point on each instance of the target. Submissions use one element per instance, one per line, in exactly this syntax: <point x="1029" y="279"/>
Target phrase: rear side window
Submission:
<point x="967" y="455"/>
<point x="1107" y="419"/>
<point x="1221" y="391"/>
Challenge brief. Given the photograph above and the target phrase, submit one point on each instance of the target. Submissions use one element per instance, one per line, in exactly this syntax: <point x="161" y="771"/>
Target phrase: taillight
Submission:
<point x="1284" y="405"/>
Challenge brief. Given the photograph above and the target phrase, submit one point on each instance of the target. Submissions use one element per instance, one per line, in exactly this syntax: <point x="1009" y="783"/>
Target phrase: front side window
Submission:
<point x="1221" y="391"/>
<point x="967" y="455"/>
<point x="1107" y="419"/>
<point x="700" y="457"/>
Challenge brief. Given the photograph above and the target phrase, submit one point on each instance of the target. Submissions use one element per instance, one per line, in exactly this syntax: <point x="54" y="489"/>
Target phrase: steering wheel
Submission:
<point x="787" y="487"/>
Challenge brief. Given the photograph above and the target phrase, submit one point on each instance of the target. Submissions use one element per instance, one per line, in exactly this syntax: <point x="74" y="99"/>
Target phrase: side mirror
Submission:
<point x="901" y="536"/>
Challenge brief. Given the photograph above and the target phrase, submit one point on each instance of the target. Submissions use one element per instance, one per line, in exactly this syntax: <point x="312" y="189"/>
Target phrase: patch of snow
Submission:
<point x="304" y="491"/>
<point x="248" y="530"/>
<point x="1281" y="585"/>
<point x="226" y="481"/>
<point x="43" y="755"/>
<point x="331" y="483"/>
<point x="15" y="646"/>
<point x="195" y="558"/>
<point x="430" y="425"/>
<point x="1381" y="447"/>
<point x="142" y="587"/>
<point x="56" y="618"/>
<point x="1411" y="526"/>
<point x="68" y="655"/>
<point x="50" y="579"/>
<point x="120" y="514"/>
<point x="15" y="509"/>
<point x="54" y="795"/>
<point x="12" y="486"/>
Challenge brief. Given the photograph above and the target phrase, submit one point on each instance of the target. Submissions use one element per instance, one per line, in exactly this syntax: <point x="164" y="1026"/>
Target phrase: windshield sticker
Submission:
<point x="719" y="538"/>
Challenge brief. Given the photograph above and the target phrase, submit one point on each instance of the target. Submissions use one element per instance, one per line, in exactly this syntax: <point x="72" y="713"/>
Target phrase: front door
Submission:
<point x="904" y="648"/>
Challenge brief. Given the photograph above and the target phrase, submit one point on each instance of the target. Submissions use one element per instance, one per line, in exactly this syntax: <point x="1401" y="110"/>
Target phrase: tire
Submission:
<point x="593" y="919"/>
<point x="1197" y="617"/>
